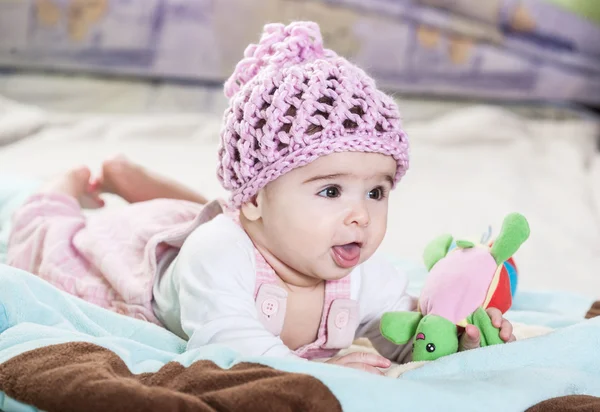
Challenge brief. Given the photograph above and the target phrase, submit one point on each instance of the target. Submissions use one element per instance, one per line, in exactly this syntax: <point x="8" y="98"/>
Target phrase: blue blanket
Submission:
<point x="34" y="314"/>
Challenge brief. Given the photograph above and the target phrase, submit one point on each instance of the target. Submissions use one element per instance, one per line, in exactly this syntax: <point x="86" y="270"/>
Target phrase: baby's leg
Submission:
<point x="134" y="183"/>
<point x="43" y="229"/>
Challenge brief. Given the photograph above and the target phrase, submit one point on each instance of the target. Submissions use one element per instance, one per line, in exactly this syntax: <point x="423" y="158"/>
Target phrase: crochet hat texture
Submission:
<point x="293" y="101"/>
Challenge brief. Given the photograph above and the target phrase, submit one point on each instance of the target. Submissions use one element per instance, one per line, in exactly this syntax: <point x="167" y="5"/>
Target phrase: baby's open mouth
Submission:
<point x="348" y="255"/>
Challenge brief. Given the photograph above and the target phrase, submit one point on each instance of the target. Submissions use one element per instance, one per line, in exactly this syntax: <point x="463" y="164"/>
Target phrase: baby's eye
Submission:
<point x="331" y="192"/>
<point x="377" y="194"/>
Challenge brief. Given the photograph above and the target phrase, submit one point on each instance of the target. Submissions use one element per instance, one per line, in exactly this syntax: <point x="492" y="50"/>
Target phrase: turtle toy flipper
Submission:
<point x="436" y="250"/>
<point x="465" y="278"/>
<point x="488" y="333"/>
<point x="514" y="232"/>
<point x="399" y="327"/>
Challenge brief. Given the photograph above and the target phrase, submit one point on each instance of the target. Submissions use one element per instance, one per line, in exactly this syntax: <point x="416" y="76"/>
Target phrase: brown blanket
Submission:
<point x="80" y="376"/>
<point x="594" y="310"/>
<point x="573" y="403"/>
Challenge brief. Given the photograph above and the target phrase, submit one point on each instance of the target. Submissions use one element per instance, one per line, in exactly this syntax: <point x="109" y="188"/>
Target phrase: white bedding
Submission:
<point x="469" y="168"/>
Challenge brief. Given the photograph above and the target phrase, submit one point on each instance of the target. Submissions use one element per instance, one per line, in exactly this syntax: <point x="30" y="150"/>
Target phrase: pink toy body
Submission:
<point x="458" y="284"/>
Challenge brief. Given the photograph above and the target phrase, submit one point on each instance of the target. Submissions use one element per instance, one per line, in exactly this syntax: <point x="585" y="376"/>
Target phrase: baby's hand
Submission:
<point x="368" y="362"/>
<point x="470" y="339"/>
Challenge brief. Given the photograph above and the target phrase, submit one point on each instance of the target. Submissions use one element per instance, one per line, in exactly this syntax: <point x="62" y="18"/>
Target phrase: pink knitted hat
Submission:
<point x="291" y="102"/>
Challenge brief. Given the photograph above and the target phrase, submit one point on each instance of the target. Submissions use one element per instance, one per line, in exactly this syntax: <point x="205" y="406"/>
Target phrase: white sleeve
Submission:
<point x="381" y="289"/>
<point x="216" y="274"/>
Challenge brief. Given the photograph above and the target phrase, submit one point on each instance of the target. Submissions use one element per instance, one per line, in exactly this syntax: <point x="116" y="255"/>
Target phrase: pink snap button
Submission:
<point x="269" y="307"/>
<point x="341" y="319"/>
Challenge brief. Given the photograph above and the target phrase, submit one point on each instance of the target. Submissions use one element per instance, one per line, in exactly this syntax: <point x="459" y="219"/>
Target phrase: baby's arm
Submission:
<point x="216" y="278"/>
<point x="382" y="288"/>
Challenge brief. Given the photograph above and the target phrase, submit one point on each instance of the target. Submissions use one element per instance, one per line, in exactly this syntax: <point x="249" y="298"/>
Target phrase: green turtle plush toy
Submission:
<point x="464" y="279"/>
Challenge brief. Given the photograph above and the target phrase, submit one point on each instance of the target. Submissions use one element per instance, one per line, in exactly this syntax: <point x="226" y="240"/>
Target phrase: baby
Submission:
<point x="310" y="150"/>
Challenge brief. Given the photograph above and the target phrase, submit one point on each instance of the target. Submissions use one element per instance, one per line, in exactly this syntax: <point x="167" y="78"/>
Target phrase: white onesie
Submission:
<point x="216" y="290"/>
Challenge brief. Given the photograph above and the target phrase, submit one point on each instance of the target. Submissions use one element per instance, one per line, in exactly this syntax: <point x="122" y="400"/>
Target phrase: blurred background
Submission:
<point x="501" y="100"/>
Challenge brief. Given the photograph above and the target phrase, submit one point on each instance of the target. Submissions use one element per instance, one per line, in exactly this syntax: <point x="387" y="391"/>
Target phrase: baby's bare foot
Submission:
<point x="76" y="183"/>
<point x="123" y="178"/>
<point x="134" y="183"/>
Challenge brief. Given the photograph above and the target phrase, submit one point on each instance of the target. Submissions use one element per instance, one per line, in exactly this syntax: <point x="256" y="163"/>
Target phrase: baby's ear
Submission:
<point x="400" y="327"/>
<point x="252" y="209"/>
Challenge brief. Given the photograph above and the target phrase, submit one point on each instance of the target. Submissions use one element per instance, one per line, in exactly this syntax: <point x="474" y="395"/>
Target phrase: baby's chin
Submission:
<point x="334" y="272"/>
<point x="325" y="268"/>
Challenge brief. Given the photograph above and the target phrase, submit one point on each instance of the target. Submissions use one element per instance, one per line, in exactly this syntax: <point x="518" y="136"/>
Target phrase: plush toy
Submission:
<point x="463" y="281"/>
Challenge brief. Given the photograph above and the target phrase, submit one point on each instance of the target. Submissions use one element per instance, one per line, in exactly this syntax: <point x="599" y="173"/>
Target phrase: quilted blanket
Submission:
<point x="80" y="376"/>
<point x="124" y="356"/>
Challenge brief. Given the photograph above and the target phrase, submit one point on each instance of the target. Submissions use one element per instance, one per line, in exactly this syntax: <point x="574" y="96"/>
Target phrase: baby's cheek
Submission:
<point x="377" y="234"/>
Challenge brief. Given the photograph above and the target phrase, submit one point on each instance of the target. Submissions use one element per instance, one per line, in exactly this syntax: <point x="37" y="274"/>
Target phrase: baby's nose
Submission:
<point x="359" y="215"/>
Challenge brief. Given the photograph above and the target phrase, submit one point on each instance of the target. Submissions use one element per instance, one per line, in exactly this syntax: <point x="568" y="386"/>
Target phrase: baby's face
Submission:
<point x="325" y="218"/>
